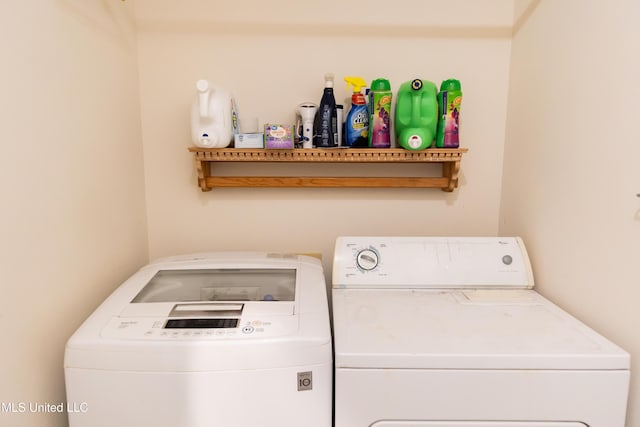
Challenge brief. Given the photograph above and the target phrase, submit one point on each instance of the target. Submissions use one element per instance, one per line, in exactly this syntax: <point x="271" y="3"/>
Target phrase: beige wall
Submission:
<point x="72" y="222"/>
<point x="571" y="172"/>
<point x="271" y="68"/>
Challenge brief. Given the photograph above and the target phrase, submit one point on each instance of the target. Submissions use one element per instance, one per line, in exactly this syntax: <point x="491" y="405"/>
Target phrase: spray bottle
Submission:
<point x="449" y="100"/>
<point x="356" y="127"/>
<point x="325" y="125"/>
<point x="380" y="114"/>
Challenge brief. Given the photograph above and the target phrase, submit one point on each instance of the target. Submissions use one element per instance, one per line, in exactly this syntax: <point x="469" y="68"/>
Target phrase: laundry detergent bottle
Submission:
<point x="356" y="129"/>
<point x="325" y="125"/>
<point x="449" y="101"/>
<point x="380" y="114"/>
<point x="212" y="117"/>
<point x="416" y="114"/>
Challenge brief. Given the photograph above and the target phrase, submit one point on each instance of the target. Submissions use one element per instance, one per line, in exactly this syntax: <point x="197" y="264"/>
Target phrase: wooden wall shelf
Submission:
<point x="448" y="181"/>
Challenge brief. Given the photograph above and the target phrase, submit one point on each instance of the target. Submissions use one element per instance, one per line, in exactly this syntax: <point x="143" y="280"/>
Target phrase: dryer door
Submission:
<point x="392" y="423"/>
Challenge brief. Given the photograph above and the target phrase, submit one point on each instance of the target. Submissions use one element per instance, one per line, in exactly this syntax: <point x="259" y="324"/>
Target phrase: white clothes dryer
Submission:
<point x="448" y="332"/>
<point x="217" y="339"/>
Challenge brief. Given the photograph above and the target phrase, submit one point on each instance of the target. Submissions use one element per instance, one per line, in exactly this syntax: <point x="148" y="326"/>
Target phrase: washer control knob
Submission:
<point x="367" y="259"/>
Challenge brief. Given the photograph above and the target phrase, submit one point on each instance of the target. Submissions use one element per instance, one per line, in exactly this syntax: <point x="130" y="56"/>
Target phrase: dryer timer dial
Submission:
<point x="367" y="259"/>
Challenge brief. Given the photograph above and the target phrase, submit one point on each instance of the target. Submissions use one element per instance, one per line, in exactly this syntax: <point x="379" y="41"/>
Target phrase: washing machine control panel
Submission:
<point x="431" y="262"/>
<point x="198" y="329"/>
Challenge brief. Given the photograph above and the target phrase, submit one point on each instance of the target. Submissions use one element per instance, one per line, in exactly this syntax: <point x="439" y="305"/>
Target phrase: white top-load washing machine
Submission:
<point x="217" y="339"/>
<point x="448" y="332"/>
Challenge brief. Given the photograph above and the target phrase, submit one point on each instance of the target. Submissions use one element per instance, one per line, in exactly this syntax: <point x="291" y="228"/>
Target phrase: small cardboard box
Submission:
<point x="278" y="136"/>
<point x="248" y="140"/>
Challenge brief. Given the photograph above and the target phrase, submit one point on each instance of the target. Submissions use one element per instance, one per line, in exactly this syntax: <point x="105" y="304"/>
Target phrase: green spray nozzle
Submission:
<point x="357" y="82"/>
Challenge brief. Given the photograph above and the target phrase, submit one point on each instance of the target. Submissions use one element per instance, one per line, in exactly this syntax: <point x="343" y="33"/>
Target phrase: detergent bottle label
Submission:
<point x="380" y="122"/>
<point x="451" y="119"/>
<point x="357" y="126"/>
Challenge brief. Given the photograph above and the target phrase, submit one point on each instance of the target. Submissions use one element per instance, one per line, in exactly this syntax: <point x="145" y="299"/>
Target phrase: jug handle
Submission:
<point x="203" y="97"/>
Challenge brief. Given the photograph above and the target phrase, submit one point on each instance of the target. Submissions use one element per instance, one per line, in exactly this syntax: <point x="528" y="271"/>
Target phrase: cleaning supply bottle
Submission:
<point x="213" y="117"/>
<point x="416" y="114"/>
<point x="380" y="114"/>
<point x="325" y="125"/>
<point x="449" y="101"/>
<point x="357" y="124"/>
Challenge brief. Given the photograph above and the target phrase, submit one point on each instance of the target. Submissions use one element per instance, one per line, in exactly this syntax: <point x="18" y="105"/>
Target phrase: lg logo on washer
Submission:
<point x="305" y="381"/>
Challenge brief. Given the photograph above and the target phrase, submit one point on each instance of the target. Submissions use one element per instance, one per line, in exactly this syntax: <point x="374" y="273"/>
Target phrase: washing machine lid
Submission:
<point x="463" y="329"/>
<point x="219" y="284"/>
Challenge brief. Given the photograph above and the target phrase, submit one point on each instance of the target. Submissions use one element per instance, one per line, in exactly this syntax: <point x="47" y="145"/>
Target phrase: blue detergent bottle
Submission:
<point x="356" y="128"/>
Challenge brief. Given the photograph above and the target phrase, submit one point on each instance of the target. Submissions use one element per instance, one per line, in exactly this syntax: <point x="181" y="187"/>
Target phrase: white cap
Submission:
<point x="328" y="80"/>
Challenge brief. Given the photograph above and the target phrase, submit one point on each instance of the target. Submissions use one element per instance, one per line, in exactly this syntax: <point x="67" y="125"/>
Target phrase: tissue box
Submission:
<point x="248" y="140"/>
<point x="278" y="136"/>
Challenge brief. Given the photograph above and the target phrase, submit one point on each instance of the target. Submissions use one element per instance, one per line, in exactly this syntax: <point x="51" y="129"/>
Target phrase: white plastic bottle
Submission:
<point x="212" y="117"/>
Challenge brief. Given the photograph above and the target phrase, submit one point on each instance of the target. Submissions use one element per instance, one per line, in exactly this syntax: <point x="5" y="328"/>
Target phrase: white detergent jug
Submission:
<point x="212" y="117"/>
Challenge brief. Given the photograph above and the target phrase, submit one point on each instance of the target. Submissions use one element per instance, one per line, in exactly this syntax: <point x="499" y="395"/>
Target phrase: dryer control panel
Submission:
<point x="431" y="262"/>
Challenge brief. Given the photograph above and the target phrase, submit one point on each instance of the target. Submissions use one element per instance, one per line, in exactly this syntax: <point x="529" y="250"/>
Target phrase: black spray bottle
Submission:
<point x="325" y="125"/>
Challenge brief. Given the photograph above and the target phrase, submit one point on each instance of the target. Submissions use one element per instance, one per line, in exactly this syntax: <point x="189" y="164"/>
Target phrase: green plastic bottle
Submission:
<point x="449" y="101"/>
<point x="416" y="114"/>
<point x="380" y="114"/>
